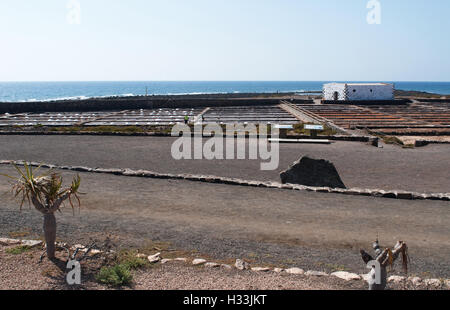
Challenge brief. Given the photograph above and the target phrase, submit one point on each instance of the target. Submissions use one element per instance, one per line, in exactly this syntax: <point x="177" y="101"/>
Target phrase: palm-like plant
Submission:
<point x="47" y="194"/>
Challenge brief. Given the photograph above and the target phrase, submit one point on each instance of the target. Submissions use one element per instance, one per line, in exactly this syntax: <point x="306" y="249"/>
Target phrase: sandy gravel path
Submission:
<point x="360" y="165"/>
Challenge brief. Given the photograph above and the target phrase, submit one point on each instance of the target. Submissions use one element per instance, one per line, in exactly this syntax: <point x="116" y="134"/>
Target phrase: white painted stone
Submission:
<point x="396" y="279"/>
<point x="365" y="277"/>
<point x="433" y="282"/>
<point x="278" y="270"/>
<point x="154" y="258"/>
<point x="226" y="266"/>
<point x="8" y="241"/>
<point x="241" y="265"/>
<point x="295" y="270"/>
<point x="181" y="259"/>
<point x="32" y="243"/>
<point x="447" y="282"/>
<point x="94" y="252"/>
<point x="260" y="269"/>
<point x="141" y="255"/>
<point x="415" y="280"/>
<point x="166" y="260"/>
<point x="212" y="265"/>
<point x="347" y="276"/>
<point x="316" y="273"/>
<point x="78" y="246"/>
<point x="198" y="261"/>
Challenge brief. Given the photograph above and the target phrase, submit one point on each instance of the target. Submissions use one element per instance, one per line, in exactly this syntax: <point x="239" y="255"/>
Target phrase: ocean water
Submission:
<point x="38" y="91"/>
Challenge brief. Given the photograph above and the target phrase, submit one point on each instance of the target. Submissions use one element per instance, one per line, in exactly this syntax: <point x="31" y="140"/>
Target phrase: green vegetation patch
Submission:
<point x="129" y="259"/>
<point x="392" y="140"/>
<point x="118" y="275"/>
<point x="18" y="250"/>
<point x="300" y="129"/>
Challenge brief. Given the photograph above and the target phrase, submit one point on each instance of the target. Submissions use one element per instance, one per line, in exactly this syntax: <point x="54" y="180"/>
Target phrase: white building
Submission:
<point x="358" y="91"/>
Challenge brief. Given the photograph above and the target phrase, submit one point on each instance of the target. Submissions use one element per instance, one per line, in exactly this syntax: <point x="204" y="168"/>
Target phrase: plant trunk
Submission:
<point x="50" y="234"/>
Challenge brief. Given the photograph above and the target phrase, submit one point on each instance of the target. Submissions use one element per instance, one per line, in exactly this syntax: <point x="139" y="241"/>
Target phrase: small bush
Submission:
<point x="18" y="250"/>
<point x="117" y="275"/>
<point x="392" y="140"/>
<point x="128" y="258"/>
<point x="299" y="128"/>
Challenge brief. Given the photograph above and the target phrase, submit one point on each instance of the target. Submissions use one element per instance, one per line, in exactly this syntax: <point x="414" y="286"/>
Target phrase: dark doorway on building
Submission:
<point x="335" y="96"/>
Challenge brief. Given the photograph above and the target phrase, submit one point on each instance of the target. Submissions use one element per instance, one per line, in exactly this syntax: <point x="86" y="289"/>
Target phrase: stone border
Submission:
<point x="242" y="265"/>
<point x="352" y="138"/>
<point x="393" y="194"/>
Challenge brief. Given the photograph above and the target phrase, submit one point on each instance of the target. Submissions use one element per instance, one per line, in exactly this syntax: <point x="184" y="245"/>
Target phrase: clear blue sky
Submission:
<point x="224" y="40"/>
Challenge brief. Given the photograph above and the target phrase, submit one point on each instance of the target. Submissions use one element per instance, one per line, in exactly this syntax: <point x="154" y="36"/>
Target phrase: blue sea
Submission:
<point x="43" y="91"/>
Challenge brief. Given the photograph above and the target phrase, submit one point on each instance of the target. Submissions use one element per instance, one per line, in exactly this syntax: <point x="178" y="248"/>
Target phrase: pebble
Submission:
<point x="32" y="243"/>
<point x="241" y="265"/>
<point x="433" y="282"/>
<point x="181" y="259"/>
<point x="198" y="261"/>
<point x="295" y="270"/>
<point x="212" y="265"/>
<point x="396" y="279"/>
<point x="347" y="276"/>
<point x="415" y="280"/>
<point x="316" y="273"/>
<point x="260" y="269"/>
<point x="154" y="258"/>
<point x="7" y="241"/>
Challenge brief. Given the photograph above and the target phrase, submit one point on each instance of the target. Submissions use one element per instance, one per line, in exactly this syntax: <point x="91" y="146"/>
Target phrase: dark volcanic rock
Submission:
<point x="312" y="172"/>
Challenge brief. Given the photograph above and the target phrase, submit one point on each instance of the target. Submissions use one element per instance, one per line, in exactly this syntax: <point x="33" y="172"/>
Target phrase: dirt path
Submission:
<point x="360" y="165"/>
<point x="271" y="226"/>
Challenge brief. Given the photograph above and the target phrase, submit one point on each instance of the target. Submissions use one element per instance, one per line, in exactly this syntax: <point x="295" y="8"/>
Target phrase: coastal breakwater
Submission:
<point x="143" y="102"/>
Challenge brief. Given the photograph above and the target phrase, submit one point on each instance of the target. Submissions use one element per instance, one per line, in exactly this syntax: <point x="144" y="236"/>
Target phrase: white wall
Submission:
<point x="370" y="92"/>
<point x="330" y="89"/>
<point x="358" y="92"/>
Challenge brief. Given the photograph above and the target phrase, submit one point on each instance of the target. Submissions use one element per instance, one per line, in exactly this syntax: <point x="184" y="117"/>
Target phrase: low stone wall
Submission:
<point x="393" y="194"/>
<point x="163" y="134"/>
<point x="447" y="100"/>
<point x="138" y="102"/>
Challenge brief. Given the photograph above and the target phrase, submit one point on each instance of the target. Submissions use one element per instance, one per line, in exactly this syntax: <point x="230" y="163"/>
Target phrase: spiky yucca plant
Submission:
<point x="47" y="194"/>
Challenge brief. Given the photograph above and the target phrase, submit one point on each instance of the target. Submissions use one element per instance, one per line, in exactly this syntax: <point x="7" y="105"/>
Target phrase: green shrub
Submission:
<point x="392" y="140"/>
<point x="117" y="275"/>
<point x="299" y="128"/>
<point x="19" y="249"/>
<point x="128" y="258"/>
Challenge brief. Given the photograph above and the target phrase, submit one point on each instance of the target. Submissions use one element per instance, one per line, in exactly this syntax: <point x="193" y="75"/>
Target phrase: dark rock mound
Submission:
<point x="312" y="172"/>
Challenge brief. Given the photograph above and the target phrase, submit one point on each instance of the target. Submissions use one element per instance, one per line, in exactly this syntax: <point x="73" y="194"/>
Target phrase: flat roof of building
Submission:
<point x="361" y="84"/>
<point x="367" y="84"/>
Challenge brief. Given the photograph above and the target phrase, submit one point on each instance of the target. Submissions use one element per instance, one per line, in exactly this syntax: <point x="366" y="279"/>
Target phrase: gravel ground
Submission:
<point x="24" y="272"/>
<point x="266" y="226"/>
<point x="360" y="165"/>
